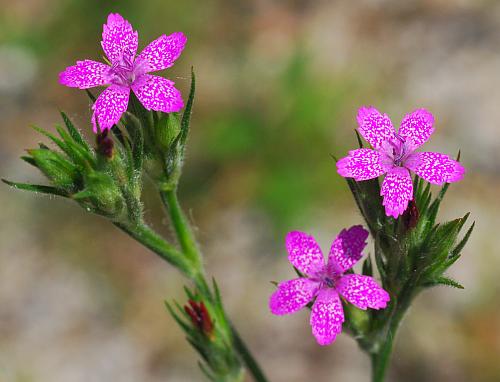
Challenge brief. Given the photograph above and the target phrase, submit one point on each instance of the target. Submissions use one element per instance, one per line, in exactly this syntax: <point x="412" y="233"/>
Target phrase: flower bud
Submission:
<point x="166" y="130"/>
<point x="105" y="144"/>
<point x="102" y="193"/>
<point x="56" y="167"/>
<point x="200" y="317"/>
<point x="411" y="215"/>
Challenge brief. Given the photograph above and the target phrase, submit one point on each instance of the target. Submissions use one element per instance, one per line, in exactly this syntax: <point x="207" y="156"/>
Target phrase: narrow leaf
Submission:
<point x="90" y="95"/>
<point x="186" y="116"/>
<point x="36" y="188"/>
<point x="443" y="280"/>
<point x="73" y="131"/>
<point x="456" y="251"/>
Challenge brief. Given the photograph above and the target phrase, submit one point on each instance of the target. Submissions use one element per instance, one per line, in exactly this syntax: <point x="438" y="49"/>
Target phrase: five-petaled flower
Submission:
<point x="128" y="71"/>
<point x="327" y="282"/>
<point x="394" y="154"/>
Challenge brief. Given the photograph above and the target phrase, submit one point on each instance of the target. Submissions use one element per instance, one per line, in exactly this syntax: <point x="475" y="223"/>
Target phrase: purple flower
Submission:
<point x="394" y="154"/>
<point x="128" y="71"/>
<point x="327" y="282"/>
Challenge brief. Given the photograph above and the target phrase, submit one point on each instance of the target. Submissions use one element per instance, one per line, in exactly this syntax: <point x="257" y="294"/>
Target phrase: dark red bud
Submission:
<point x="411" y="215"/>
<point x="105" y="144"/>
<point x="200" y="317"/>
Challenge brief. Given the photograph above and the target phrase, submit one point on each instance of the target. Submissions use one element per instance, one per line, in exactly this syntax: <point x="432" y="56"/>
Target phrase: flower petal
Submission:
<point x="119" y="40"/>
<point x="361" y="164"/>
<point x="85" y="74"/>
<point x="436" y="168"/>
<point x="109" y="107"/>
<point x="362" y="291"/>
<point x="158" y="93"/>
<point x="347" y="249"/>
<point x="162" y="52"/>
<point x="327" y="316"/>
<point x="292" y="295"/>
<point x="397" y="190"/>
<point x="417" y="127"/>
<point x="375" y="127"/>
<point x="304" y="253"/>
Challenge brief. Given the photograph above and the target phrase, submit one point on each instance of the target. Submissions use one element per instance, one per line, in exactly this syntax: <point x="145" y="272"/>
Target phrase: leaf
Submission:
<point x="206" y="372"/>
<point x="84" y="194"/>
<point x="52" y="137"/>
<point x="443" y="280"/>
<point x="177" y="319"/>
<point x="299" y="273"/>
<point x="81" y="155"/>
<point x="360" y="141"/>
<point x="36" y="188"/>
<point x="73" y="131"/>
<point x="186" y="116"/>
<point x="29" y="160"/>
<point x="118" y="134"/>
<point x="90" y="95"/>
<point x="456" y="251"/>
<point x="134" y="129"/>
<point x="367" y="267"/>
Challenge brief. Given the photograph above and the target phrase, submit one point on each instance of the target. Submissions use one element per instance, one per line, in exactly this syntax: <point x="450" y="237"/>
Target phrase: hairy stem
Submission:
<point x="189" y="246"/>
<point x="182" y="228"/>
<point x="380" y="358"/>
<point x="150" y="239"/>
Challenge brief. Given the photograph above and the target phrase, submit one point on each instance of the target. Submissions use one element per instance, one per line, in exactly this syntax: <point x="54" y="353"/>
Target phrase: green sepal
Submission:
<point x="37" y="188"/>
<point x="58" y="169"/>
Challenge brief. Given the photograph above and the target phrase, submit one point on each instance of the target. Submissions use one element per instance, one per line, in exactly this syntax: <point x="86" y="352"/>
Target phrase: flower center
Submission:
<point x="127" y="70"/>
<point x="399" y="151"/>
<point x="329" y="282"/>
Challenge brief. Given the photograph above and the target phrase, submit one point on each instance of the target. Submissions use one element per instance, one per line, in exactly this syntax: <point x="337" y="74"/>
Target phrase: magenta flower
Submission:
<point x="394" y="154"/>
<point x="327" y="282"/>
<point x="128" y="71"/>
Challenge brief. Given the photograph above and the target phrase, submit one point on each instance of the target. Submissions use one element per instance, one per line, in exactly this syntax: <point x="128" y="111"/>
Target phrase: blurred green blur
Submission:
<point x="279" y="84"/>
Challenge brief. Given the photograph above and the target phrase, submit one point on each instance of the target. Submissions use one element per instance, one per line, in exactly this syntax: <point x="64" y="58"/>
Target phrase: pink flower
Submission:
<point x="327" y="282"/>
<point x="128" y="71"/>
<point x="394" y="154"/>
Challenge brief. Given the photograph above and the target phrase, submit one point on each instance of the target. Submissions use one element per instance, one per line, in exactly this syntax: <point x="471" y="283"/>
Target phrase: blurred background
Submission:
<point x="279" y="84"/>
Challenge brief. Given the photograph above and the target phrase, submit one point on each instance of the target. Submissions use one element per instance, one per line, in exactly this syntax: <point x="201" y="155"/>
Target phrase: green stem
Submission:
<point x="247" y="357"/>
<point x="150" y="239"/>
<point x="189" y="246"/>
<point x="380" y="359"/>
<point x="182" y="227"/>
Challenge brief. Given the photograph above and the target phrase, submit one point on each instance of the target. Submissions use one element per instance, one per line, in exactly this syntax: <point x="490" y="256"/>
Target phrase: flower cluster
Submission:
<point x="126" y="72"/>
<point x="327" y="282"/>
